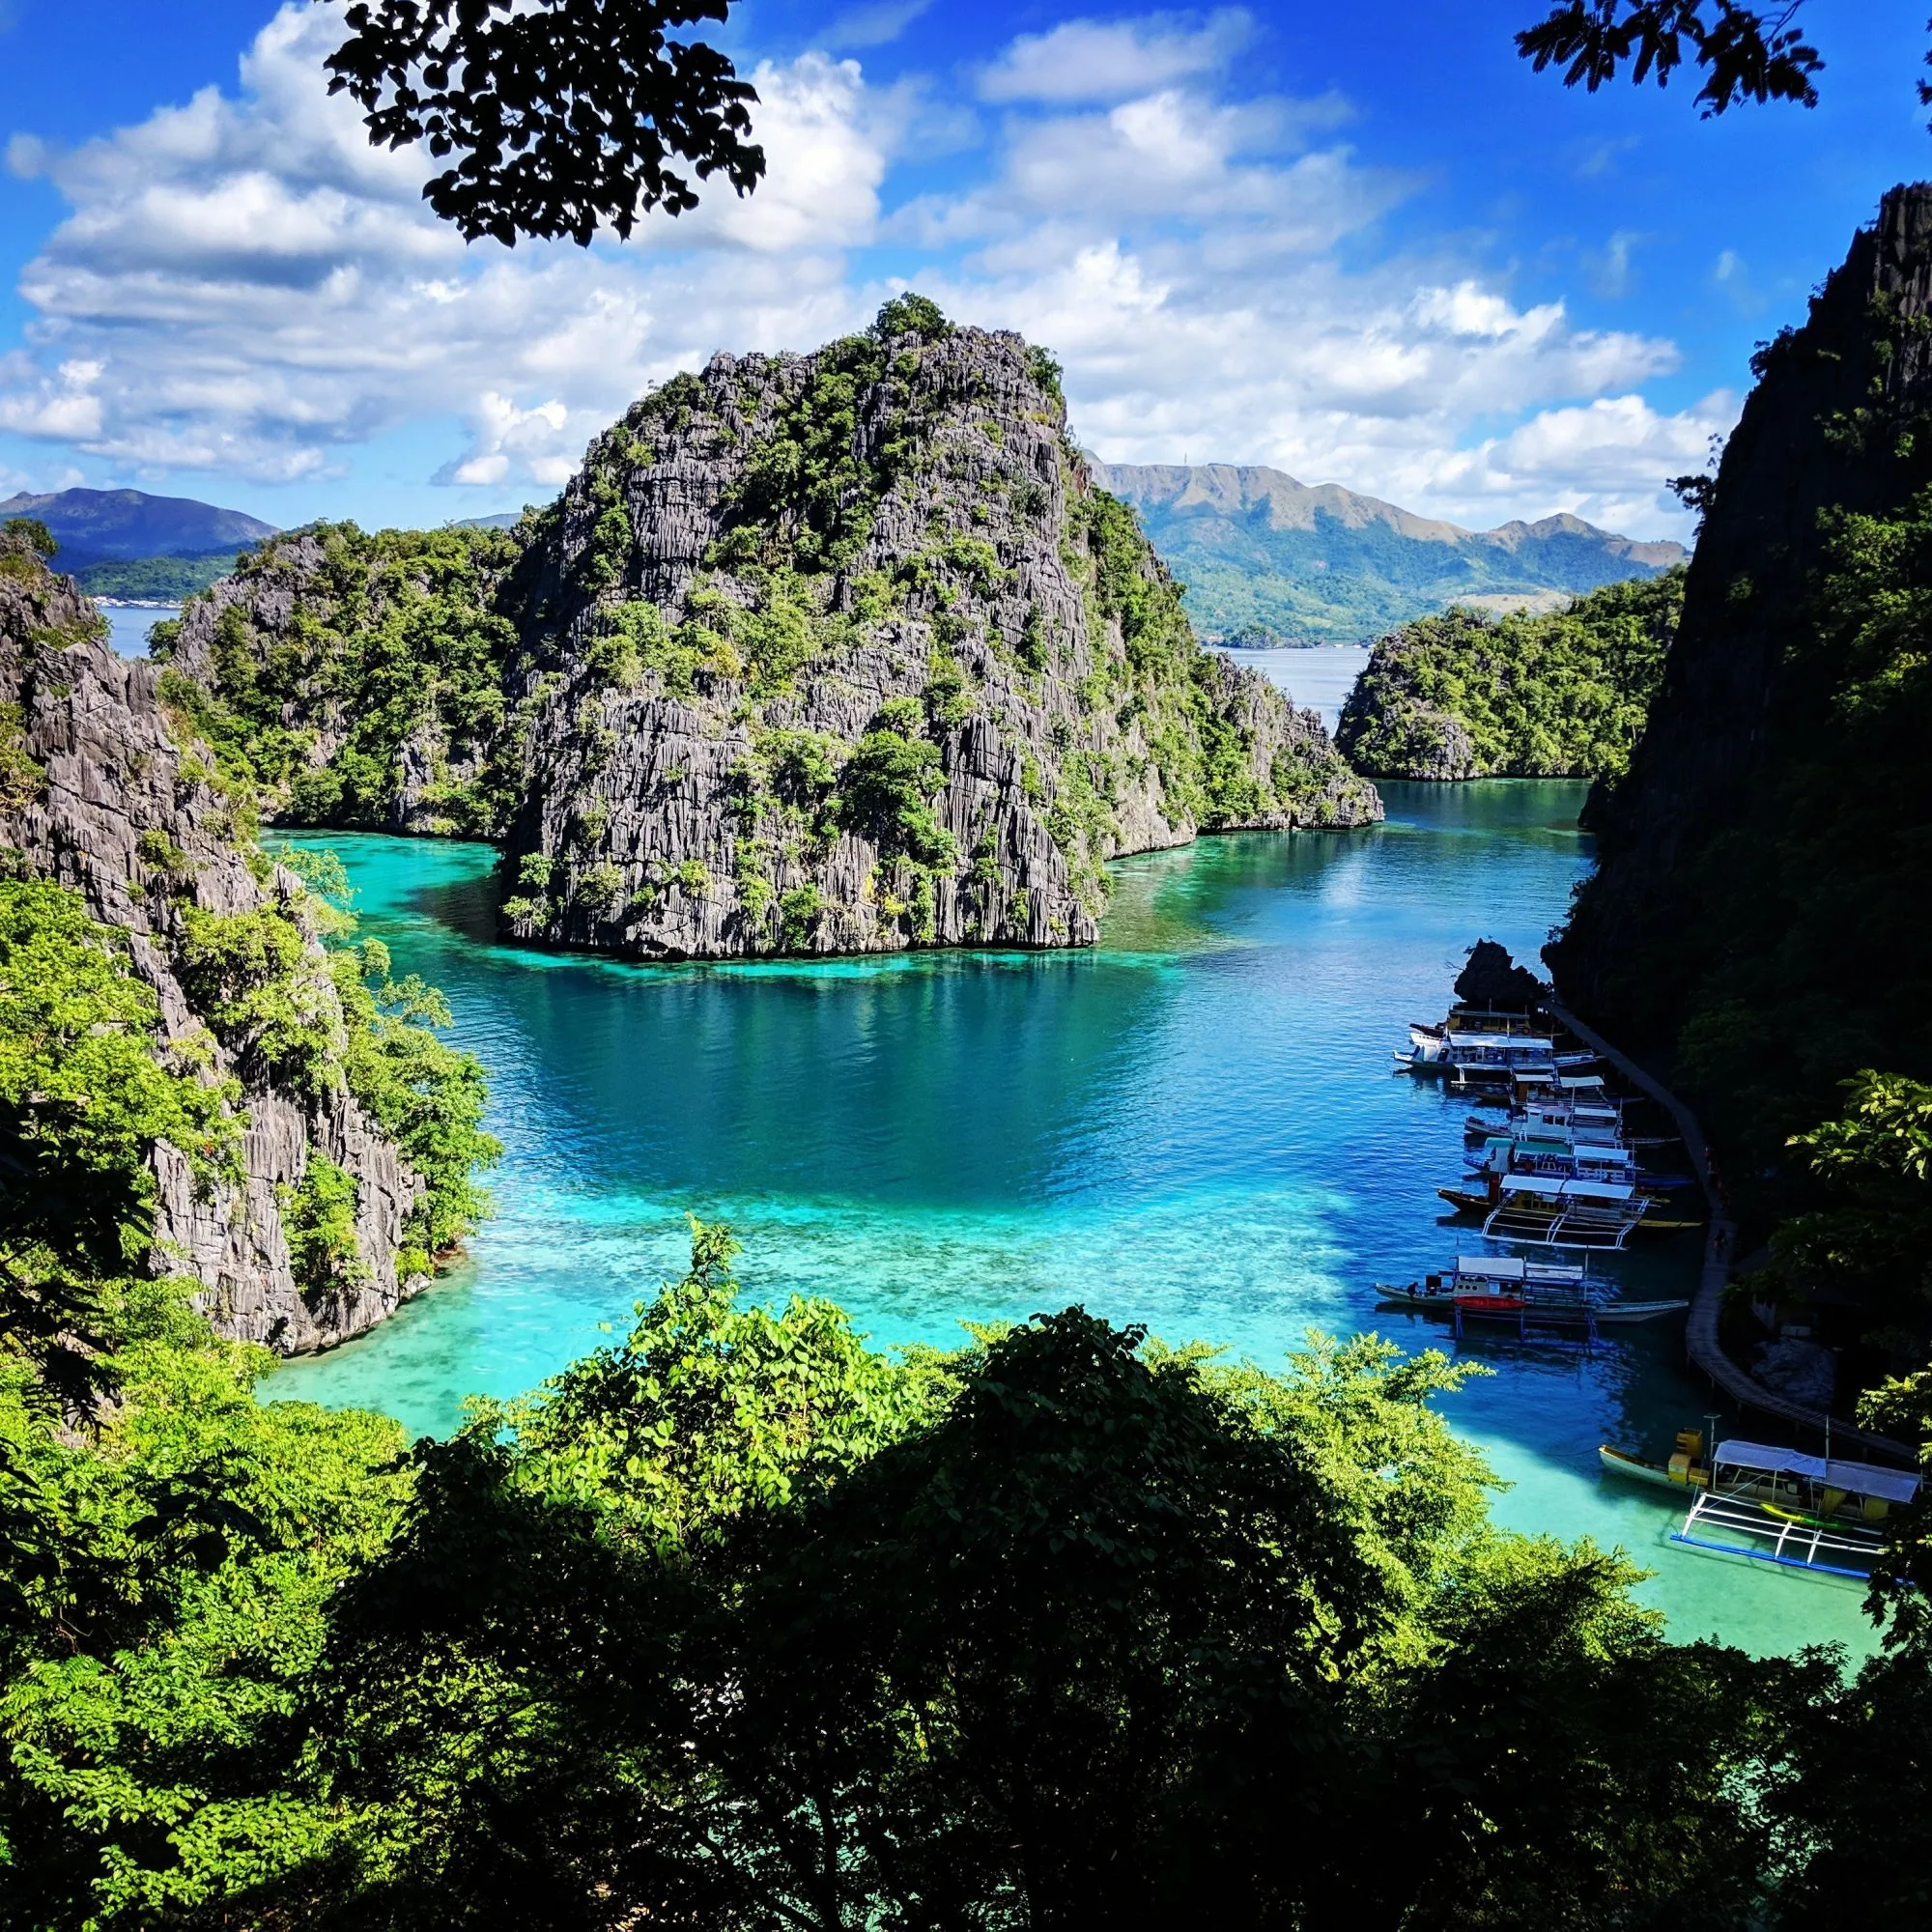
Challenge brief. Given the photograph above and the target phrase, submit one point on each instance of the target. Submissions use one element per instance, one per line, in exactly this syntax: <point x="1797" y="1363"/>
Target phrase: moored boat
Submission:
<point x="1523" y="1292"/>
<point x="1547" y="1212"/>
<point x="1683" y="1472"/>
<point x="1805" y="1512"/>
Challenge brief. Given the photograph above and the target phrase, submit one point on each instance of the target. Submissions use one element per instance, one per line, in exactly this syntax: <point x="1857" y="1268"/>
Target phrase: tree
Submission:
<point x="1744" y="53"/>
<point x="562" y="115"/>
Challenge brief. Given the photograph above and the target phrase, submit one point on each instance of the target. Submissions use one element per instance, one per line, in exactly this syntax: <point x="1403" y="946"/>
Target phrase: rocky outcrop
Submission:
<point x="845" y="653"/>
<point x="1837" y="423"/>
<point x="836" y="653"/>
<point x="363" y="674"/>
<point x="122" y="804"/>
<point x="1556" y="695"/>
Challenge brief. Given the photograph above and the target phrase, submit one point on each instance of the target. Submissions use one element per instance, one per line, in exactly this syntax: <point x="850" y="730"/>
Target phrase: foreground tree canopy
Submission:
<point x="561" y="115"/>
<point x="1742" y="53"/>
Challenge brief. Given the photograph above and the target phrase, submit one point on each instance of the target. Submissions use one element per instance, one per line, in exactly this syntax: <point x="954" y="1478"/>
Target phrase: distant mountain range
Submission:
<point x="124" y="543"/>
<point x="118" y="525"/>
<point x="1267" y="559"/>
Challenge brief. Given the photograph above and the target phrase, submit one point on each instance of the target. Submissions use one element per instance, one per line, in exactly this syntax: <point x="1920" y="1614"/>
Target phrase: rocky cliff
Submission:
<point x="1757" y="910"/>
<point x="108" y="793"/>
<point x="830" y="653"/>
<point x="359" y="676"/>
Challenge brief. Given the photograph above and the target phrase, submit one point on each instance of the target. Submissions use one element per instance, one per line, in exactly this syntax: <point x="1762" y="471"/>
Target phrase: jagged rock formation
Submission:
<point x="360" y="676"/>
<point x="1494" y="982"/>
<point x="110" y="795"/>
<point x="833" y="653"/>
<point x="1757" y="911"/>
<point x="850" y="655"/>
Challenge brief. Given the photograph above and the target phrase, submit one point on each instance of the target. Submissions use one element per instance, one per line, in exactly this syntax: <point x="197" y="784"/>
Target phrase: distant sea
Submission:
<point x="128" y="625"/>
<point x="1319" y="678"/>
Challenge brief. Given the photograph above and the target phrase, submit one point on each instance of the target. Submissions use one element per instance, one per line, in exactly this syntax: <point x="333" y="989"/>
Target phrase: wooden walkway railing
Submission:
<point x="1720" y="1242"/>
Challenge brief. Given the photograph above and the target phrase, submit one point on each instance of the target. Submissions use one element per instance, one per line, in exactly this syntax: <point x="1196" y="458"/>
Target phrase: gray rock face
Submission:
<point x="844" y="653"/>
<point x="132" y="816"/>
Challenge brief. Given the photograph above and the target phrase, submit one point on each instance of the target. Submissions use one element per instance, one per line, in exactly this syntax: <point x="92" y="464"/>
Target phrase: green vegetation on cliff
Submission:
<point x="739" y="1623"/>
<point x="1563" y="696"/>
<point x="1760" y="920"/>
<point x="896" y="558"/>
<point x="382" y="644"/>
<point x="156" y="579"/>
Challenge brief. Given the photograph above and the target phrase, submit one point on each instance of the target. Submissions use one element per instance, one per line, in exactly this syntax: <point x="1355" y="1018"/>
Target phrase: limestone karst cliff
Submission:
<point x="1758" y="913"/>
<point x="110" y="794"/>
<point x="829" y="653"/>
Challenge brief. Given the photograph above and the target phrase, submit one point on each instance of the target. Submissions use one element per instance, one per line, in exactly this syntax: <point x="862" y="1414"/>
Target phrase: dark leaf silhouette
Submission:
<point x="559" y="117"/>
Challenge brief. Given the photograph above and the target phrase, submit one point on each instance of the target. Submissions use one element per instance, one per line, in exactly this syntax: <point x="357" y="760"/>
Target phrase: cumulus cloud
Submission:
<point x="1095" y="60"/>
<point x="243" y="285"/>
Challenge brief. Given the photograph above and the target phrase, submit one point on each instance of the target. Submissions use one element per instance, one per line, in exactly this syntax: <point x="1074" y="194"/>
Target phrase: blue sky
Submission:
<point x="1365" y="244"/>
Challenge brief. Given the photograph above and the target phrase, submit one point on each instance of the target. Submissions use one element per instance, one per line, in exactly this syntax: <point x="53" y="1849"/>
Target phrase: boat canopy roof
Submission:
<point x="1514" y="1268"/>
<point x="1862" y="1479"/>
<point x="1520" y="1042"/>
<point x="1572" y="1080"/>
<point x="1551" y="1188"/>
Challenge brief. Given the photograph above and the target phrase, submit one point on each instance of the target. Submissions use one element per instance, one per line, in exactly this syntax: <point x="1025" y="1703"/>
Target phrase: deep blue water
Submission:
<point x="1194" y="1126"/>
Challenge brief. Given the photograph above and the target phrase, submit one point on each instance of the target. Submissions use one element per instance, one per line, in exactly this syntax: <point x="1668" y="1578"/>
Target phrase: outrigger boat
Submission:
<point x="1489" y="1058"/>
<point x="1567" y="1120"/>
<point x="1541" y="1210"/>
<point x="1568" y="1161"/>
<point x="1521" y="1293"/>
<point x="1805" y="1512"/>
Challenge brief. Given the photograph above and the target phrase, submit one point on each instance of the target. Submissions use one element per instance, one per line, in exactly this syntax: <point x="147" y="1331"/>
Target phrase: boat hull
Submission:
<point x="1517" y="1309"/>
<point x="1635" y="1470"/>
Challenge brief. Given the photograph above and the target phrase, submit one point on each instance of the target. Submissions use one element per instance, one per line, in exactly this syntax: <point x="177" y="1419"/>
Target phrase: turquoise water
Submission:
<point x="1194" y="1126"/>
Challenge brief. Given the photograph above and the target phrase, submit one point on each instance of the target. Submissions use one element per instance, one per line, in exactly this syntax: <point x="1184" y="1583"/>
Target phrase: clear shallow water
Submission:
<point x="1193" y="1125"/>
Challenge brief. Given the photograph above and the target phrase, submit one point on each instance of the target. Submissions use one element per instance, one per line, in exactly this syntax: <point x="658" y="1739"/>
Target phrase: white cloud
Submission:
<point x="874" y="26"/>
<point x="243" y="285"/>
<point x="62" y="406"/>
<point x="1095" y="60"/>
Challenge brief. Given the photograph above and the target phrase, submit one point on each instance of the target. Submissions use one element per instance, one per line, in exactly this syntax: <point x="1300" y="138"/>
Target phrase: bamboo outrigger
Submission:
<point x="1545" y="1211"/>
<point x="1521" y="1294"/>
<point x="1805" y="1512"/>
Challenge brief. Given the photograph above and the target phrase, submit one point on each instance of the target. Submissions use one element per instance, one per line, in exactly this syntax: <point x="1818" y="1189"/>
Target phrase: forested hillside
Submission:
<point x="738" y="1623"/>
<point x="1266" y="559"/>
<point x="316" y="1157"/>
<point x="1561" y="696"/>
<point x="1760" y="918"/>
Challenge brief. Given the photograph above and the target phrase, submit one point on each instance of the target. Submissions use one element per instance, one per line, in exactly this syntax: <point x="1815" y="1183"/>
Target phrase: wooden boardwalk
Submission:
<point x="1720" y="1240"/>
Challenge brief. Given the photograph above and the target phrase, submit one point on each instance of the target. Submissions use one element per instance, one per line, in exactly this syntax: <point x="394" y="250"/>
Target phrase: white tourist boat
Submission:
<point x="1564" y="1159"/>
<point x="1522" y="1293"/>
<point x="1805" y="1512"/>
<point x="1543" y="1210"/>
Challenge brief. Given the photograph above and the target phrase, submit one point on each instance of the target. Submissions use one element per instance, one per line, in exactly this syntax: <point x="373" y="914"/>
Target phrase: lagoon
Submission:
<point x="1194" y="1126"/>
